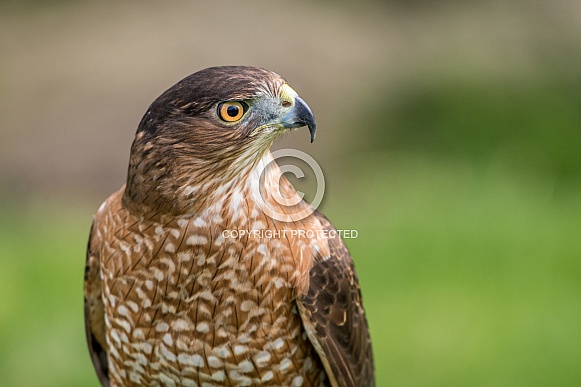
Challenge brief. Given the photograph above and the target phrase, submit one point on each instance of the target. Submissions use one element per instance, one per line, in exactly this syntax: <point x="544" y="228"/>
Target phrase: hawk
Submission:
<point x="172" y="299"/>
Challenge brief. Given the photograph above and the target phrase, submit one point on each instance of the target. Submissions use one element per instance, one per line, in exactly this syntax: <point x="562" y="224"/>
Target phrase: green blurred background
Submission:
<point x="449" y="134"/>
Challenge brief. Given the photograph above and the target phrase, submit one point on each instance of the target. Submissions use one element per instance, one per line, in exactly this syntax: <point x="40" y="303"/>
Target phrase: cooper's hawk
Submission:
<point x="172" y="299"/>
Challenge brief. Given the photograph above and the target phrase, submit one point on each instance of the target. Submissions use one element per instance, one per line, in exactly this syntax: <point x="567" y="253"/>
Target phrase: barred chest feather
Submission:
<point x="189" y="304"/>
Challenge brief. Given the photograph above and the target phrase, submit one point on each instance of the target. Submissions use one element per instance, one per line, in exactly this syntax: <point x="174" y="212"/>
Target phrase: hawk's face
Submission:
<point x="225" y="108"/>
<point x="210" y="127"/>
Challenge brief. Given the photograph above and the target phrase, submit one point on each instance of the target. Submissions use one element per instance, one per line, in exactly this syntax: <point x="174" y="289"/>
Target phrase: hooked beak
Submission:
<point x="300" y="115"/>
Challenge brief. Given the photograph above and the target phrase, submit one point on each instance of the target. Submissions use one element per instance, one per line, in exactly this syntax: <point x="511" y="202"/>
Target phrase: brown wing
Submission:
<point x="95" y="314"/>
<point x="333" y="316"/>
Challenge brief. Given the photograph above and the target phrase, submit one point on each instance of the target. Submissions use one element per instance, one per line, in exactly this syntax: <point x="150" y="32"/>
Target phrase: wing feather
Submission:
<point x="95" y="313"/>
<point x="333" y="316"/>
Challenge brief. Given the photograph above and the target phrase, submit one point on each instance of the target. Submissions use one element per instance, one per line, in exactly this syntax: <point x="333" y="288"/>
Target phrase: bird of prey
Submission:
<point x="171" y="300"/>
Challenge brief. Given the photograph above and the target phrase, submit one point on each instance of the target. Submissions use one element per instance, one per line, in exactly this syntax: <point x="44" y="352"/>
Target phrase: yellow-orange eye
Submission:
<point x="232" y="111"/>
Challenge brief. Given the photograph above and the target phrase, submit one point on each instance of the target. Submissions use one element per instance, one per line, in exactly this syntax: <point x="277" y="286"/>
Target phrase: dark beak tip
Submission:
<point x="313" y="131"/>
<point x="301" y="115"/>
<point x="307" y="117"/>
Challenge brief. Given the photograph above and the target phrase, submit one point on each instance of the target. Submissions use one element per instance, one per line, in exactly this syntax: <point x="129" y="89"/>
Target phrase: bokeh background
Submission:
<point x="449" y="134"/>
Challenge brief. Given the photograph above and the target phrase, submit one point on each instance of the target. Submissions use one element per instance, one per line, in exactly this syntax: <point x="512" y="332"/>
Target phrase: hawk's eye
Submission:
<point x="232" y="111"/>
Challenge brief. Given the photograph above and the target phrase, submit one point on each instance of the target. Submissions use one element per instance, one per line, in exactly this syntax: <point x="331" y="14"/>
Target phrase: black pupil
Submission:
<point x="232" y="110"/>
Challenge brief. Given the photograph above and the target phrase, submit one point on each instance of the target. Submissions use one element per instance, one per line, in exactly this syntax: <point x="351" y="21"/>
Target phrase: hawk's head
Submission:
<point x="208" y="129"/>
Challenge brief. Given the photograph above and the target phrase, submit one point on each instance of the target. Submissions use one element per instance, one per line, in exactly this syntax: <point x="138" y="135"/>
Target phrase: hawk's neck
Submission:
<point x="250" y="186"/>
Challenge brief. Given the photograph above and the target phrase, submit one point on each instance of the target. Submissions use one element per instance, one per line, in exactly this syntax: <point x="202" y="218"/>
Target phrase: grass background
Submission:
<point x="456" y="157"/>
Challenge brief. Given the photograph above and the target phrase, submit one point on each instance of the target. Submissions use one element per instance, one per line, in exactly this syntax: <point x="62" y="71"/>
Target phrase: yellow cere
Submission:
<point x="287" y="95"/>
